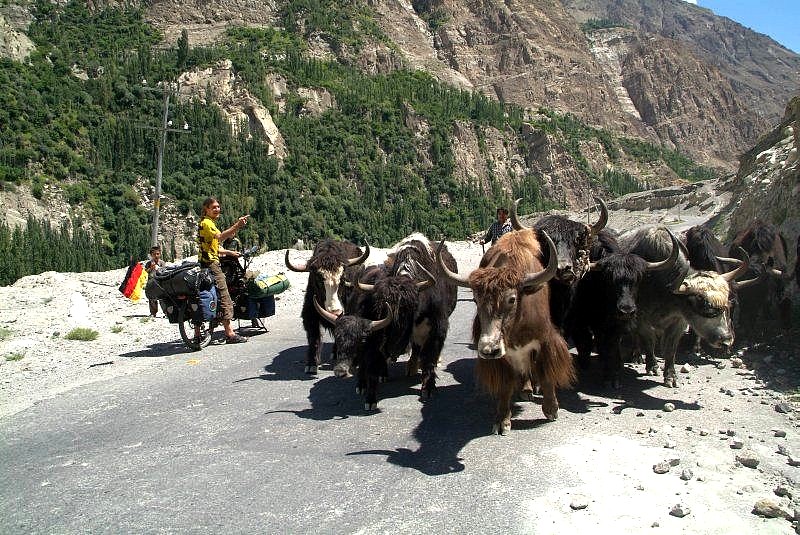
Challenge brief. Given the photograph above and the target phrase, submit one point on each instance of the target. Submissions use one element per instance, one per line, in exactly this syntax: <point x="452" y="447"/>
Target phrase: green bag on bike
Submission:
<point x="266" y="285"/>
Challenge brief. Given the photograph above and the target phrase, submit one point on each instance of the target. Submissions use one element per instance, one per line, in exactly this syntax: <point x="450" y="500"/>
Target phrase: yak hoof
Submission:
<point x="551" y="413"/>
<point x="358" y="390"/>
<point x="424" y="395"/>
<point x="501" y="428"/>
<point x="383" y="379"/>
<point x="670" y="382"/>
<point x="370" y="406"/>
<point x="311" y="370"/>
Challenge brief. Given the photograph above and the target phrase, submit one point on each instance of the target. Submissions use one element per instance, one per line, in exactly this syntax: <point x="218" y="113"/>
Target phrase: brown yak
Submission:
<point x="513" y="333"/>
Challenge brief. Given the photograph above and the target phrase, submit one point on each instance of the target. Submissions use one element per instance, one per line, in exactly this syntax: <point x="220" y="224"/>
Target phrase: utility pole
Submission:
<point x="166" y="89"/>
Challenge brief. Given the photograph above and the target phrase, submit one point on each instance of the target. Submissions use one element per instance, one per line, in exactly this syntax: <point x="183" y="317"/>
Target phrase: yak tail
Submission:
<point x="554" y="361"/>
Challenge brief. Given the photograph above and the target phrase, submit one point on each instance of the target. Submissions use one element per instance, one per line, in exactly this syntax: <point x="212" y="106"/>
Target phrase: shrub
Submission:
<point x="83" y="334"/>
<point x="14" y="356"/>
<point x="5" y="333"/>
<point x="116" y="329"/>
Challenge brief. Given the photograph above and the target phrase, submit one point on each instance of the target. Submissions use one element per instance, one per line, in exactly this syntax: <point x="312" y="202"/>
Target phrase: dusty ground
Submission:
<point x="726" y="437"/>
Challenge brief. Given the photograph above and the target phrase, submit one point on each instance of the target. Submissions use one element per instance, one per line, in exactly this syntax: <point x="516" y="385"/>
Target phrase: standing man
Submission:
<point x="208" y="240"/>
<point x="150" y="266"/>
<point x="499" y="227"/>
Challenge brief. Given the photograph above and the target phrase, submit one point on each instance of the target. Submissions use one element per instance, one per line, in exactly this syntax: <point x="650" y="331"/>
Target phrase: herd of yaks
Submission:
<point x="620" y="295"/>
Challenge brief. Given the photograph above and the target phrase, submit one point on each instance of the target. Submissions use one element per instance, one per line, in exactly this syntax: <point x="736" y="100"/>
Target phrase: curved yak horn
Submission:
<point x="381" y="324"/>
<point x="533" y="281"/>
<point x="299" y="268"/>
<point x="732" y="275"/>
<point x="602" y="220"/>
<point x="430" y="281"/>
<point x="668" y="262"/>
<point x="366" y="287"/>
<point x="361" y="259"/>
<point x="330" y="316"/>
<point x="460" y="280"/>
<point x="515" y="222"/>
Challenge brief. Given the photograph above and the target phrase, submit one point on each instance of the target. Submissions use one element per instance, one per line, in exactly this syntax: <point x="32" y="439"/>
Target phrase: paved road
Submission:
<point x="244" y="441"/>
<point x="241" y="441"/>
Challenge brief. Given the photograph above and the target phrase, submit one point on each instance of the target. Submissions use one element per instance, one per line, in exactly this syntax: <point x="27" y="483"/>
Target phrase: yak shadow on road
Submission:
<point x="450" y="420"/>
<point x="334" y="397"/>
<point x="631" y="395"/>
<point x="287" y="365"/>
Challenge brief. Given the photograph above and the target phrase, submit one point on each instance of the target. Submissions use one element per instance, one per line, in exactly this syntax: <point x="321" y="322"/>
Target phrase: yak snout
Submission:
<point x="626" y="310"/>
<point x="565" y="272"/>
<point x="491" y="348"/>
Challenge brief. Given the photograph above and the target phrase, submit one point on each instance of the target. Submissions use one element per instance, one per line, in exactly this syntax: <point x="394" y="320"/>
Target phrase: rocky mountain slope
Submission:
<point x="670" y="72"/>
<point x="667" y="72"/>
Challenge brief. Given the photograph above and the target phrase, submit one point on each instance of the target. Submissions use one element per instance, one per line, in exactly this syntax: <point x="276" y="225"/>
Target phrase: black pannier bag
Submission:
<point x="185" y="279"/>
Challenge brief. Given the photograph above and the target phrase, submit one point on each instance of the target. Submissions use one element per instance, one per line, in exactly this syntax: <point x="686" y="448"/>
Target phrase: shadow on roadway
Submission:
<point x="450" y="420"/>
<point x="631" y="395"/>
<point x="287" y="365"/>
<point x="160" y="349"/>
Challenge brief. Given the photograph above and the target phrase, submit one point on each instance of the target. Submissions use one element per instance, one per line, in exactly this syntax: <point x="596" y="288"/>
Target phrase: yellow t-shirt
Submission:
<point x="207" y="243"/>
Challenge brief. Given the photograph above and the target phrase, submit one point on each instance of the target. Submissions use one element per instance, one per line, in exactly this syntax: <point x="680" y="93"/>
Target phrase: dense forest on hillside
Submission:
<point x="352" y="172"/>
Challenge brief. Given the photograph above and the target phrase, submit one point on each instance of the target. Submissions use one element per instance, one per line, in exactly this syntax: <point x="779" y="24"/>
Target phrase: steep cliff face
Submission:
<point x="767" y="185"/>
<point x="241" y="109"/>
<point x="763" y="73"/>
<point x="687" y="102"/>
<point x="207" y="20"/>
<point x="678" y="75"/>
<point x="14" y="20"/>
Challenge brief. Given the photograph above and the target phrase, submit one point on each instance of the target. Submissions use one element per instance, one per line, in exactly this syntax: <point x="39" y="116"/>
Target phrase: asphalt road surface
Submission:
<point x="237" y="439"/>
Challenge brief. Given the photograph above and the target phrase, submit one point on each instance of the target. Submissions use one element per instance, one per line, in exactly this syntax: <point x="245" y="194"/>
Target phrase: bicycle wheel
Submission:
<point x="186" y="325"/>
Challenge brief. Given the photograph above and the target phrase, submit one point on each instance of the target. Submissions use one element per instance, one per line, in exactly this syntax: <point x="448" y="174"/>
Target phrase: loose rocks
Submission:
<point x="680" y="510"/>
<point x="769" y="509"/>
<point x="579" y="502"/>
<point x="748" y="459"/>
<point x="661" y="468"/>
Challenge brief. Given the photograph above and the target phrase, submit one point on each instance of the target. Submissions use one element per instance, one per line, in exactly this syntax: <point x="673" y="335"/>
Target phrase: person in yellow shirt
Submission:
<point x="208" y="244"/>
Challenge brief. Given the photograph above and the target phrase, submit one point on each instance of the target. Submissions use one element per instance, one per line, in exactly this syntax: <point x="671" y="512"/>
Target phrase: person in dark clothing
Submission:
<point x="499" y="227"/>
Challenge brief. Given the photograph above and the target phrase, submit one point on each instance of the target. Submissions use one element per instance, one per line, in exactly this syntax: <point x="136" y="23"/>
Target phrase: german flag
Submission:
<point x="134" y="281"/>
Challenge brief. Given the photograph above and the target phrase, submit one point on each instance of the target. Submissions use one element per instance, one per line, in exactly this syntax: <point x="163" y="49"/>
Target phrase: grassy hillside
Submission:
<point x="354" y="172"/>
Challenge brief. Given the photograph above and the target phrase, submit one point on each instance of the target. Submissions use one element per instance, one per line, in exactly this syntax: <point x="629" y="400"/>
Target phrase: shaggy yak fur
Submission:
<point x="671" y="300"/>
<point x="330" y="264"/>
<point x="513" y="333"/>
<point x="604" y="309"/>
<point x="369" y="349"/>
<point x="765" y="307"/>
<point x="703" y="248"/>
<point x="413" y="257"/>
<point x="573" y="241"/>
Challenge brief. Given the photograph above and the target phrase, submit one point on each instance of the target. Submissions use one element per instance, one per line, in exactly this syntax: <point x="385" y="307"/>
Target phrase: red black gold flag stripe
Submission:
<point x="133" y="284"/>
